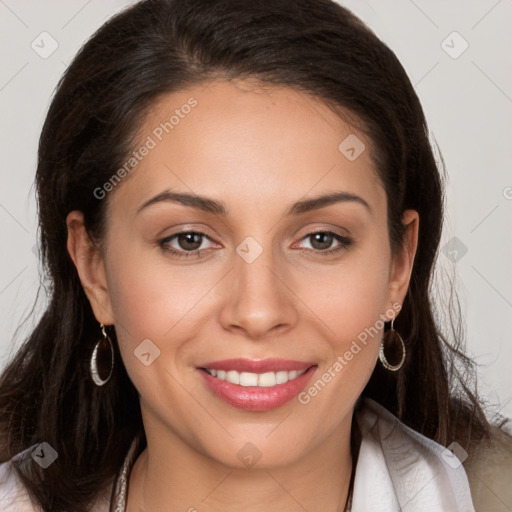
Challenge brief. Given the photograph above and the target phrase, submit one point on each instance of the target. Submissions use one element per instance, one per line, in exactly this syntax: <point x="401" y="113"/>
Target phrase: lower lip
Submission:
<point x="256" y="398"/>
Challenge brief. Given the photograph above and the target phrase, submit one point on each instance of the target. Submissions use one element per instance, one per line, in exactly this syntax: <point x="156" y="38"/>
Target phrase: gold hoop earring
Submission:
<point x="102" y="360"/>
<point x="392" y="339"/>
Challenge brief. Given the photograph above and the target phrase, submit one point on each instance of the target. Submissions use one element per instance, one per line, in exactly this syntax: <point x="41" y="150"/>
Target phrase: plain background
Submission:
<point x="466" y="94"/>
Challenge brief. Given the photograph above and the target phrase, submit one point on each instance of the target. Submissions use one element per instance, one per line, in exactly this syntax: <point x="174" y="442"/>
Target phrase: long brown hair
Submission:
<point x="157" y="47"/>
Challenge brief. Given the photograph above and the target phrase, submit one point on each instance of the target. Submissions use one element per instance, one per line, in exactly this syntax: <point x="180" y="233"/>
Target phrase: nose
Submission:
<point x="261" y="302"/>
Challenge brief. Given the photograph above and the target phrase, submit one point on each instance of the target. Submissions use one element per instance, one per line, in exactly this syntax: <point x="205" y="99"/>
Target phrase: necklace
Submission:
<point x="144" y="490"/>
<point x="118" y="501"/>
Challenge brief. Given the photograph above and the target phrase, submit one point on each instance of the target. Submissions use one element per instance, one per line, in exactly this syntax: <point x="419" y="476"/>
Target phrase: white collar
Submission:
<point x="399" y="469"/>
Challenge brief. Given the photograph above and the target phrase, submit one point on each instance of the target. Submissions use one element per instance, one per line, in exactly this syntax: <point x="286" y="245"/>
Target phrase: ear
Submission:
<point x="90" y="267"/>
<point x="403" y="259"/>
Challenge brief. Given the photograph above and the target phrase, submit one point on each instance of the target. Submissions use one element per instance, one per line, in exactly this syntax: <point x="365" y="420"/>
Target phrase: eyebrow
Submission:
<point x="209" y="205"/>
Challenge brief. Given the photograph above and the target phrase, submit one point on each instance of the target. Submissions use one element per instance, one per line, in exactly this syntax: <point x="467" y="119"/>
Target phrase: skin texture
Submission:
<point x="258" y="150"/>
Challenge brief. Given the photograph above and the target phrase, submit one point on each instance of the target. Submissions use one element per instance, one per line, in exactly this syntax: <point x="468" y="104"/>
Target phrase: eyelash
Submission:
<point x="344" y="244"/>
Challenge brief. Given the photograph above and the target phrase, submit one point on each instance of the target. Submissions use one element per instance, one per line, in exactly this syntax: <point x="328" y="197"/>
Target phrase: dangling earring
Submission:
<point x="102" y="360"/>
<point x="391" y="339"/>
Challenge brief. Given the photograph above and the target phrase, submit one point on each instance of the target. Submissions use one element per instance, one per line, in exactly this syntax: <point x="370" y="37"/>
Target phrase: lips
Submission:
<point x="256" y="385"/>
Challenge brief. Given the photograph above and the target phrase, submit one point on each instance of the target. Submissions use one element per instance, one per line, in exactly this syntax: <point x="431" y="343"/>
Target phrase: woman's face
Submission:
<point x="252" y="290"/>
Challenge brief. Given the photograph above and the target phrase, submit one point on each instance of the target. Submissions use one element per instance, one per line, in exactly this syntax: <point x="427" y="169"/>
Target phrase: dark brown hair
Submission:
<point x="157" y="47"/>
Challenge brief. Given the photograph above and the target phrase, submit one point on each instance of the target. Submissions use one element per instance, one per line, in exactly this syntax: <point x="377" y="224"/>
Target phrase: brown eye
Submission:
<point x="184" y="244"/>
<point x="189" y="241"/>
<point x="322" y="242"/>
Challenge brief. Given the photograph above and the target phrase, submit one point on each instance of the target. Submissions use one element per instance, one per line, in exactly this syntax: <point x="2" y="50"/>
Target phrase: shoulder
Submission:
<point x="13" y="494"/>
<point x="489" y="470"/>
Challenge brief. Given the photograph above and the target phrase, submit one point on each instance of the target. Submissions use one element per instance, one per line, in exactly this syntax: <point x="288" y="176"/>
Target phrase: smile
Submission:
<point x="256" y="385"/>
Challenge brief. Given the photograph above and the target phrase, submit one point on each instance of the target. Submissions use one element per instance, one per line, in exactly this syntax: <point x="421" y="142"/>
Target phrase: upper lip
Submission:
<point x="257" y="366"/>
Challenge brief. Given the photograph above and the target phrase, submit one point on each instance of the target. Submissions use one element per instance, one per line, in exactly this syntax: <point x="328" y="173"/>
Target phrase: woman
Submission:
<point x="239" y="213"/>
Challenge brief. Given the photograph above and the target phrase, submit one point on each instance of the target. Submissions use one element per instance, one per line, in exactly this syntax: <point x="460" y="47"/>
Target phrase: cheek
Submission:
<point x="149" y="295"/>
<point x="151" y="304"/>
<point x="350" y="303"/>
<point x="352" y="309"/>
<point x="150" y="301"/>
<point x="350" y="298"/>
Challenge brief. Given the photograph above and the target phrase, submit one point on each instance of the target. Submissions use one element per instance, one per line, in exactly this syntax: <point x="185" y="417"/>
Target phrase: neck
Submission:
<point x="190" y="481"/>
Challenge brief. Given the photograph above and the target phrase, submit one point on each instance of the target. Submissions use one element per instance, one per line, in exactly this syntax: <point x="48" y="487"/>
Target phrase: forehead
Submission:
<point x="248" y="145"/>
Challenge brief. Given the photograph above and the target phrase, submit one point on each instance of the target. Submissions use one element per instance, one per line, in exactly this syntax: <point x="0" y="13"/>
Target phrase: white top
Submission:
<point x="397" y="469"/>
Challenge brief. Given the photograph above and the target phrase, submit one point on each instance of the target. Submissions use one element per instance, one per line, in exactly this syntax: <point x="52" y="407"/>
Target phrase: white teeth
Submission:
<point x="265" y="380"/>
<point x="248" y="379"/>
<point x="233" y="377"/>
<point x="281" y="377"/>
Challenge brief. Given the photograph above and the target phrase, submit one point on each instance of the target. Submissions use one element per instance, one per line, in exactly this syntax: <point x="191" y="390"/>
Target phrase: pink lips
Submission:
<point x="257" y="398"/>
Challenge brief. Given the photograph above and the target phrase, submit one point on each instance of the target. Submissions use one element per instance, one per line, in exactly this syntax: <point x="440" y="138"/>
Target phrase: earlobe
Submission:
<point x="403" y="260"/>
<point x="90" y="266"/>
